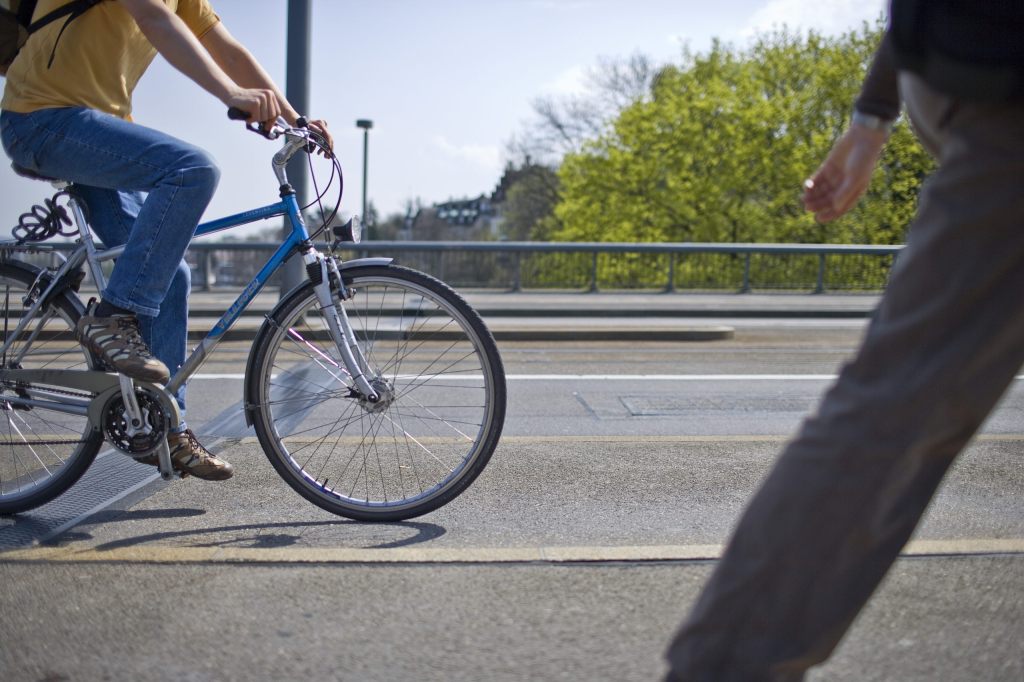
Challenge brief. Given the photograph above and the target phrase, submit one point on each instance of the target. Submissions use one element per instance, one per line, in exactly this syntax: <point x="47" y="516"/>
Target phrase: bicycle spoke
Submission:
<point x="42" y="451"/>
<point x="434" y="425"/>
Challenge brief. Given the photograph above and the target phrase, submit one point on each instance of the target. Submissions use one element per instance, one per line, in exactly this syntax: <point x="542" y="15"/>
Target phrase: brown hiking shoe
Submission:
<point x="190" y="457"/>
<point x="117" y="341"/>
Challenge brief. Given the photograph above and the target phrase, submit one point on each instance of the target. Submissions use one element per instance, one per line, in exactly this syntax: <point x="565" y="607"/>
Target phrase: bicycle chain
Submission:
<point x="76" y="394"/>
<point x="46" y="442"/>
<point x="8" y="406"/>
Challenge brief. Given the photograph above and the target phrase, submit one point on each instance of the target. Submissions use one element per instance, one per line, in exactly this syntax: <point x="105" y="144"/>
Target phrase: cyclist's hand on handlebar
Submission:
<point x="261" y="105"/>
<point x="319" y="127"/>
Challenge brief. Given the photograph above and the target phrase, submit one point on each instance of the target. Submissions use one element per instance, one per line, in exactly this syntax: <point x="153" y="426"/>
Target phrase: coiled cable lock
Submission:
<point x="44" y="222"/>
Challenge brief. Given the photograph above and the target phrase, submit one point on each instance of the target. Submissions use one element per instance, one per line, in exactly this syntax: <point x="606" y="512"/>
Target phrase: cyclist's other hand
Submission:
<point x="261" y="105"/>
<point x="320" y="127"/>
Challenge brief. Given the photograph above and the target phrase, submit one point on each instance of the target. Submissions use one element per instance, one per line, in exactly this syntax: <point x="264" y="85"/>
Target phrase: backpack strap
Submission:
<point x="25" y="11"/>
<point x="72" y="11"/>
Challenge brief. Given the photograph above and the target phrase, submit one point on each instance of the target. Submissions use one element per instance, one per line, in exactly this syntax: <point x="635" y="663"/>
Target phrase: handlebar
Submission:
<point x="296" y="138"/>
<point x="279" y="128"/>
<point x="300" y="137"/>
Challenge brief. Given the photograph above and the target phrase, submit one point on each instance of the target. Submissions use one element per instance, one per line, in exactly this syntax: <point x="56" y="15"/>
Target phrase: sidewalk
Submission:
<point x="558" y="316"/>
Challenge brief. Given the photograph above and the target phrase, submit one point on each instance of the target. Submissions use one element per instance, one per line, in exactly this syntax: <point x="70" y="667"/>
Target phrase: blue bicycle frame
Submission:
<point x="298" y="235"/>
<point x="325" y="277"/>
<point x="296" y="241"/>
<point x="287" y="206"/>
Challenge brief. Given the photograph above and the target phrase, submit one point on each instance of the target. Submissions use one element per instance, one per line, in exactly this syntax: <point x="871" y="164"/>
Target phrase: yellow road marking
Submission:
<point x="526" y="440"/>
<point x="719" y="438"/>
<point x="469" y="555"/>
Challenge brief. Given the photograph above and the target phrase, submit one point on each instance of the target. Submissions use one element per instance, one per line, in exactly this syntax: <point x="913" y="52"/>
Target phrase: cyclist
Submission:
<point x="67" y="114"/>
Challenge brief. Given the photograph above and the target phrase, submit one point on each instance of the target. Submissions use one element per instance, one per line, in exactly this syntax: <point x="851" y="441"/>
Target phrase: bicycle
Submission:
<point x="376" y="391"/>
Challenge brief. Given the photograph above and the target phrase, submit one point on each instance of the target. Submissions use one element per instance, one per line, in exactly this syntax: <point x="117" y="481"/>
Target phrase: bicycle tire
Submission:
<point x="42" y="452"/>
<point x="388" y="462"/>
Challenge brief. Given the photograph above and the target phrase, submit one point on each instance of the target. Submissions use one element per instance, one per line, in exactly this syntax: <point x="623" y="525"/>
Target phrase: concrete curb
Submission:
<point x="711" y="333"/>
<point x="715" y="313"/>
<point x="560" y="316"/>
<point x="247" y="332"/>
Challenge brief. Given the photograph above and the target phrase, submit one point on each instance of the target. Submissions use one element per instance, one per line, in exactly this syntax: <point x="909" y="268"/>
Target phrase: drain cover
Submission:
<point x="670" y="405"/>
<point x="111" y="477"/>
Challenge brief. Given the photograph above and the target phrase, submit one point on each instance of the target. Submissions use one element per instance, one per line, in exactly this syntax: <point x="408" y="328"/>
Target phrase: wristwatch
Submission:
<point x="872" y="122"/>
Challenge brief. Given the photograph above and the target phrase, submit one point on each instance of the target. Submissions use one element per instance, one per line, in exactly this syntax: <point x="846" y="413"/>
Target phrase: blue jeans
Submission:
<point x="142" y="188"/>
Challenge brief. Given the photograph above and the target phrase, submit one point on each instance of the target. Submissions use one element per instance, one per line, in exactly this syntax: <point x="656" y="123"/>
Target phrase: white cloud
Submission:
<point x="485" y="156"/>
<point x="572" y="81"/>
<point x="827" y="16"/>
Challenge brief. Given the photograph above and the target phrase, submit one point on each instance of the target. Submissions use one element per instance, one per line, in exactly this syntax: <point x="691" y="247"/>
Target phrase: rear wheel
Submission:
<point x="42" y="451"/>
<point x="441" y="407"/>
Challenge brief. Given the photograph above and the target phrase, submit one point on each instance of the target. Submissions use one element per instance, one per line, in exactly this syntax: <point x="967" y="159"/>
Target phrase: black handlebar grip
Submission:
<point x="301" y="122"/>
<point x="236" y="114"/>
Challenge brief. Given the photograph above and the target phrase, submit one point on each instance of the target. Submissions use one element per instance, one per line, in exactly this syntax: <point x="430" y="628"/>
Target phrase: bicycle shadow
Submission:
<point x="259" y="539"/>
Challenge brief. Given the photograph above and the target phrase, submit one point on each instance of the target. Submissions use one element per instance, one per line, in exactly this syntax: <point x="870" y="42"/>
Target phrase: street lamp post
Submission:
<point x="365" y="124"/>
<point x="297" y="92"/>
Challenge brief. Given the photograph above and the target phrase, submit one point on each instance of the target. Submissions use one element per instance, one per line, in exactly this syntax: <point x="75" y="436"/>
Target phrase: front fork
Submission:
<point x="330" y="292"/>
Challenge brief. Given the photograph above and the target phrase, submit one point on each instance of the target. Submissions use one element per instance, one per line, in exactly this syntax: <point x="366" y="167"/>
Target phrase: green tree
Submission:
<point x="718" y="151"/>
<point x="528" y="196"/>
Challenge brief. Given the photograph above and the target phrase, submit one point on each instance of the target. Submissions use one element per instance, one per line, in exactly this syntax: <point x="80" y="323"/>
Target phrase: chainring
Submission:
<point x="141" y="440"/>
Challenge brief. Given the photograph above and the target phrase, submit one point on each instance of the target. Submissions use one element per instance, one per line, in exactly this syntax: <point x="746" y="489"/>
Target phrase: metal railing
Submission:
<point x="586" y="266"/>
<point x="518" y="266"/>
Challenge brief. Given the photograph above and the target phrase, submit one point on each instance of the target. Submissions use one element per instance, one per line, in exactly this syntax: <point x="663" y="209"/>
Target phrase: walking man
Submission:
<point x="946" y="341"/>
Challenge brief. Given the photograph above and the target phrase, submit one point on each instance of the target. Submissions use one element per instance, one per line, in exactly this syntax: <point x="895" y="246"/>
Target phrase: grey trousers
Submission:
<point x="847" y="493"/>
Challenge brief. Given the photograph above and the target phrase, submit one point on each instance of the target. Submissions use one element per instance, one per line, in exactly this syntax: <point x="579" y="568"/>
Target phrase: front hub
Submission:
<point x="385" y="396"/>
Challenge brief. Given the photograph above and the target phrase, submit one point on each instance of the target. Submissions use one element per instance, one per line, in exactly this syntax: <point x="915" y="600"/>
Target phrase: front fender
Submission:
<point x="361" y="262"/>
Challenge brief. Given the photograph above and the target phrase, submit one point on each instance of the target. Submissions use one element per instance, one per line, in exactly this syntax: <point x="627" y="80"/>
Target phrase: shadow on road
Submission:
<point x="256" y="536"/>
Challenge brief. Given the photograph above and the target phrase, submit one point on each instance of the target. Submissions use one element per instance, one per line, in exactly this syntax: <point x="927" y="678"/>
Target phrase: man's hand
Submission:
<point x="320" y="127"/>
<point x="243" y="67"/>
<point x="837" y="185"/>
<point x="260" y="103"/>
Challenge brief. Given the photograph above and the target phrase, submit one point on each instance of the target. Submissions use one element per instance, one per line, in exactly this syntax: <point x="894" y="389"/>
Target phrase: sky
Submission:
<point x="447" y="83"/>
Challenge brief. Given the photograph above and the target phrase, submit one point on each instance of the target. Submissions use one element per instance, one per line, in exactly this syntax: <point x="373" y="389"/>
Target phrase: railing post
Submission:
<point x="208" y="278"/>
<point x="671" y="287"/>
<point x="593" y="273"/>
<point x="517" y="272"/>
<point x="820" y="288"/>
<point x="745" y="286"/>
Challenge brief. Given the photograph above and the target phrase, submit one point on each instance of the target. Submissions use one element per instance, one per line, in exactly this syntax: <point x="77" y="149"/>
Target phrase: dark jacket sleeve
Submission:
<point x="880" y="95"/>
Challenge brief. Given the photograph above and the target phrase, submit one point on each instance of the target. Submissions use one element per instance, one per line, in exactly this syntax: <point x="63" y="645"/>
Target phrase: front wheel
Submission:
<point x="442" y="396"/>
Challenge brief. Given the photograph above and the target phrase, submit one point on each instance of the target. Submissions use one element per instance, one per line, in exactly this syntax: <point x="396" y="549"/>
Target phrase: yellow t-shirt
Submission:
<point x="98" y="60"/>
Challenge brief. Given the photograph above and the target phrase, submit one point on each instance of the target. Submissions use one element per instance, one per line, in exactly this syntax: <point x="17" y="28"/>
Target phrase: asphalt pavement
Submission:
<point x="573" y="557"/>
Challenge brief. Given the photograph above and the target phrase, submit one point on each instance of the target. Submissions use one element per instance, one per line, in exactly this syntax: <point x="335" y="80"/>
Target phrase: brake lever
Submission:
<point x="236" y="114"/>
<point x="276" y="131"/>
<point x="272" y="134"/>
